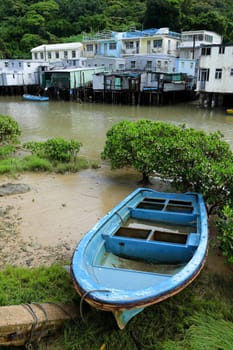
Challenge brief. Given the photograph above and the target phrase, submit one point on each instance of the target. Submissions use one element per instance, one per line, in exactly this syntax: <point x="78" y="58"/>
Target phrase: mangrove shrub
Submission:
<point x="9" y="130"/>
<point x="192" y="159"/>
<point x="57" y="149"/>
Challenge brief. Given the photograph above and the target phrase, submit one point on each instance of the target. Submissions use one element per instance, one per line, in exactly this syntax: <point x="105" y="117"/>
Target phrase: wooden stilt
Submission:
<point x="27" y="323"/>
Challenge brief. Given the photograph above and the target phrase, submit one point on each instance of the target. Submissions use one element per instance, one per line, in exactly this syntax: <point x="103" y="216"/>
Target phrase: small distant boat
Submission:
<point x="229" y="111"/>
<point x="35" y="98"/>
<point x="149" y="247"/>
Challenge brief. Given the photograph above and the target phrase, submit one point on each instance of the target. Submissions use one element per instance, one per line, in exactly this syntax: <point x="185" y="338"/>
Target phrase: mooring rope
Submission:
<point x="84" y="296"/>
<point x="28" y="343"/>
<point x="45" y="320"/>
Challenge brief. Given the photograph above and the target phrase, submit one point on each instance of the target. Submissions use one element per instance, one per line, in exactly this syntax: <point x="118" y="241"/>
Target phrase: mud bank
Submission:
<point x="44" y="216"/>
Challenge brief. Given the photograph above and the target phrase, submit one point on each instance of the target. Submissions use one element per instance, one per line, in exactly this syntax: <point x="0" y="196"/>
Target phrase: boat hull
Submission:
<point x="35" y="98"/>
<point x="148" y="248"/>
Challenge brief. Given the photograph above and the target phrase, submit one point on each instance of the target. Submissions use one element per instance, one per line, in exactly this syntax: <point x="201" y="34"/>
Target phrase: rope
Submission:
<point x="28" y="343"/>
<point x="45" y="321"/>
<point x="84" y="296"/>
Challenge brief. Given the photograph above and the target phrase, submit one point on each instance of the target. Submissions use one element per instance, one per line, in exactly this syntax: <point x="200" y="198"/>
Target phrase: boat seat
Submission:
<point x="174" y="250"/>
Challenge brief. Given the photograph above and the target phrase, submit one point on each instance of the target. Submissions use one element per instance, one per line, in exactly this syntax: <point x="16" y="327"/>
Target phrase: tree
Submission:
<point x="192" y="159"/>
<point x="163" y="13"/>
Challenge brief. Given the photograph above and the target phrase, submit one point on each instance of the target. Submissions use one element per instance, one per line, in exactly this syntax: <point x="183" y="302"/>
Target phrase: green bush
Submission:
<point x="9" y="129"/>
<point x="6" y="151"/>
<point x="225" y="232"/>
<point x="55" y="149"/>
<point x="192" y="159"/>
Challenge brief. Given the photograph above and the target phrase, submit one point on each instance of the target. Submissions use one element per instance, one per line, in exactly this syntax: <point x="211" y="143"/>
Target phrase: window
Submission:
<point x="157" y="43"/>
<point x="209" y="38"/>
<point x="221" y="50"/>
<point x="133" y="64"/>
<point x="89" y="47"/>
<point x="112" y="46"/>
<point x="6" y="64"/>
<point x="41" y="55"/>
<point x="73" y="54"/>
<point x="205" y="51"/>
<point x="57" y="54"/>
<point x="231" y="72"/>
<point x="218" y="74"/>
<point x="199" y="37"/>
<point x="65" y="54"/>
<point x="29" y="75"/>
<point x="35" y="55"/>
<point x="129" y="45"/>
<point x="153" y="77"/>
<point x="49" y="55"/>
<point x="149" y="64"/>
<point x="204" y="74"/>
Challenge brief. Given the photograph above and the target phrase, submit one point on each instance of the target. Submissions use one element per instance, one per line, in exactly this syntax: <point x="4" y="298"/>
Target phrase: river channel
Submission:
<point x="63" y="207"/>
<point x="89" y="123"/>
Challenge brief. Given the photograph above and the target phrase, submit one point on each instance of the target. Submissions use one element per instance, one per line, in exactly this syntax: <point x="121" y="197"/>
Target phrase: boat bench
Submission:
<point x="179" y="212"/>
<point x="152" y="245"/>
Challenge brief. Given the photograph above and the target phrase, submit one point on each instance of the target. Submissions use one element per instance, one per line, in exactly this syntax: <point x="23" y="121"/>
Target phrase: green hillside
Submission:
<point x="28" y="23"/>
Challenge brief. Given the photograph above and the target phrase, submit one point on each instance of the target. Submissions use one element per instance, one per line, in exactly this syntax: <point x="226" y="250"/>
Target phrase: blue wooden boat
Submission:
<point x="146" y="249"/>
<point x="36" y="98"/>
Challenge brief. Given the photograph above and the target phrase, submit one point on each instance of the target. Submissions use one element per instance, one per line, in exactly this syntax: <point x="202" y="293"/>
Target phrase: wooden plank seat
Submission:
<point x="152" y="245"/>
<point x="179" y="212"/>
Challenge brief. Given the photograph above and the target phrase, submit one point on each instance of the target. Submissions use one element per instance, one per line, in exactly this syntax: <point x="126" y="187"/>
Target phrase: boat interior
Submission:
<point x="162" y="243"/>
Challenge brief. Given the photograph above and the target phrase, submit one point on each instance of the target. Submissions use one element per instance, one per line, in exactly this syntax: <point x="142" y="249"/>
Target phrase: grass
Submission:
<point x="36" y="164"/>
<point x="20" y="285"/>
<point x="200" y="317"/>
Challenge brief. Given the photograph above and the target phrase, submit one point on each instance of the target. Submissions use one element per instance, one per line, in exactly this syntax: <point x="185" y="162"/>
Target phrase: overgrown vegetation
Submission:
<point x="225" y="226"/>
<point x="55" y="154"/>
<point x="55" y="149"/>
<point x="9" y="130"/>
<point x="26" y="24"/>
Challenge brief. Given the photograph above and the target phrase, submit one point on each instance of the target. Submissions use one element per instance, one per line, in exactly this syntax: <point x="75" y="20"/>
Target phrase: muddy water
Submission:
<point x="61" y="208"/>
<point x="89" y="122"/>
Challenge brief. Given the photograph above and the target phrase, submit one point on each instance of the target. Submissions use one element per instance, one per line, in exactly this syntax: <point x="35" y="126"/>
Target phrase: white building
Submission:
<point x="216" y="69"/>
<point x="110" y="63"/>
<point x="20" y="72"/>
<point x="215" y="72"/>
<point x="58" y="52"/>
<point x="191" y="42"/>
<point x="158" y="63"/>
